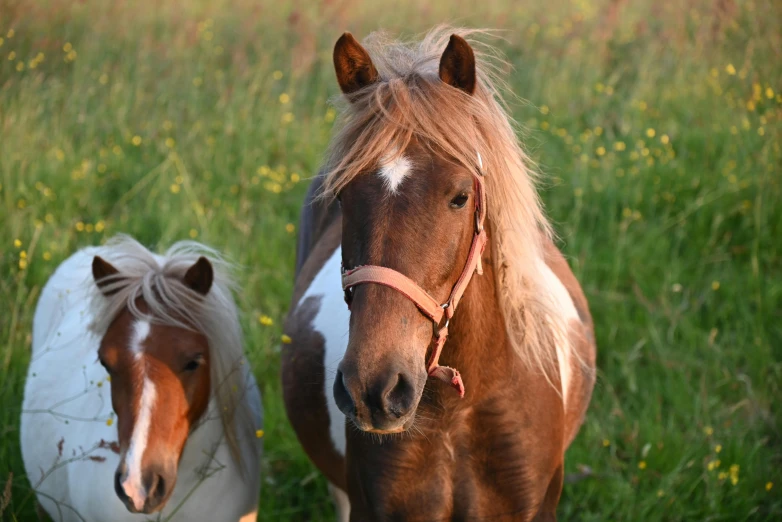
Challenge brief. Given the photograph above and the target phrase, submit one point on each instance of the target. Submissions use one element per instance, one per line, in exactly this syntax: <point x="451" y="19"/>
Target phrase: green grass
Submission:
<point x="659" y="132"/>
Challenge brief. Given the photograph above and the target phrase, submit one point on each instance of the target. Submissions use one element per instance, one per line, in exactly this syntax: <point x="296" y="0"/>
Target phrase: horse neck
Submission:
<point x="478" y="345"/>
<point x="204" y="439"/>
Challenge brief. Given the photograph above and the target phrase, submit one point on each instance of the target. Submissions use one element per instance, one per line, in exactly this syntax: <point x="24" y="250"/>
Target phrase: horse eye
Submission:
<point x="459" y="201"/>
<point x="193" y="365"/>
<point x="103" y="363"/>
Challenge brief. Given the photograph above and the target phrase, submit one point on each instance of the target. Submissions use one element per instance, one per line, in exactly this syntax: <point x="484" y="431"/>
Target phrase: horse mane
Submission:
<point x="409" y="102"/>
<point x="159" y="281"/>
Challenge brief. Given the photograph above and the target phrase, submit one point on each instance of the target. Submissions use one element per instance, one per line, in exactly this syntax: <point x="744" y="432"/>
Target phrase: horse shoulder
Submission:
<point x="579" y="369"/>
<point x="318" y="327"/>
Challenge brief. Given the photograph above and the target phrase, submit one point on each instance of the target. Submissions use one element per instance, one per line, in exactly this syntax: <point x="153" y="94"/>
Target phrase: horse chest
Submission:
<point x="484" y="464"/>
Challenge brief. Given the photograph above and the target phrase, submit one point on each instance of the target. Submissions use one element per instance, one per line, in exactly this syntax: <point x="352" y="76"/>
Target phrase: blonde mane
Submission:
<point x="411" y="102"/>
<point x="169" y="301"/>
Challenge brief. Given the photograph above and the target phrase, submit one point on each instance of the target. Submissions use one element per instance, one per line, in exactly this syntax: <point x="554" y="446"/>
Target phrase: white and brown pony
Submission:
<point x="461" y="391"/>
<point x="138" y="398"/>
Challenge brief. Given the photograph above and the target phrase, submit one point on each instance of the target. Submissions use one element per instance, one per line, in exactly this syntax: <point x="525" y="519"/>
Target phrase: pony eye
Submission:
<point x="459" y="201"/>
<point x="193" y="365"/>
<point x="103" y="363"/>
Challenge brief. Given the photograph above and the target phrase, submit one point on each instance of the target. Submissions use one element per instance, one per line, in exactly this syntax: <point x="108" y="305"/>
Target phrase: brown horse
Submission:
<point x="424" y="186"/>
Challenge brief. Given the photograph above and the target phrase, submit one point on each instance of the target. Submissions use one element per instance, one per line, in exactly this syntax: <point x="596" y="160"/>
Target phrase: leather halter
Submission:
<point x="427" y="304"/>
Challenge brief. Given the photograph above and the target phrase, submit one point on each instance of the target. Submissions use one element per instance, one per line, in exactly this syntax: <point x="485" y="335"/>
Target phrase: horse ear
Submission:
<point x="457" y="65"/>
<point x="102" y="271"/>
<point x="199" y="277"/>
<point x="353" y="65"/>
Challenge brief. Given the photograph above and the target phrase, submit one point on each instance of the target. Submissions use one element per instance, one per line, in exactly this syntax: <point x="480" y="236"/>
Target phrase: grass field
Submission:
<point x="657" y="124"/>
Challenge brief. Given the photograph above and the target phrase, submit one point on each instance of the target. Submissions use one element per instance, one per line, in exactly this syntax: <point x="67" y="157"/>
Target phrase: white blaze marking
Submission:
<point x="140" y="333"/>
<point x="567" y="311"/>
<point x="332" y="322"/>
<point x="394" y="172"/>
<point x="132" y="482"/>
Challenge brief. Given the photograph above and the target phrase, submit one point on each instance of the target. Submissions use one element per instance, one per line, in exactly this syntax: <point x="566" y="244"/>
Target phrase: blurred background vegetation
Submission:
<point x="657" y="125"/>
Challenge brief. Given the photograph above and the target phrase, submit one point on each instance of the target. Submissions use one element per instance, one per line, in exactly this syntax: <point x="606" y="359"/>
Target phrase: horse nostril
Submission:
<point x="399" y="397"/>
<point x="118" y="487"/>
<point x="155" y="485"/>
<point x="160" y="490"/>
<point x="342" y="395"/>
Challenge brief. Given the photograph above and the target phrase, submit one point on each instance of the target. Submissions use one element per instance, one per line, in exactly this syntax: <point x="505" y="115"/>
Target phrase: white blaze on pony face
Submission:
<point x="394" y="171"/>
<point x="140" y="333"/>
<point x="132" y="482"/>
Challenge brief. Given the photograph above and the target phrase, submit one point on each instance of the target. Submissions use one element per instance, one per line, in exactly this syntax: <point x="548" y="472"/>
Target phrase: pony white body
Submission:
<point x="68" y="427"/>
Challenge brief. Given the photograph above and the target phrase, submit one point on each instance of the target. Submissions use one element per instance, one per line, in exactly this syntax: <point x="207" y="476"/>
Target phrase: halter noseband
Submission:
<point x="427" y="304"/>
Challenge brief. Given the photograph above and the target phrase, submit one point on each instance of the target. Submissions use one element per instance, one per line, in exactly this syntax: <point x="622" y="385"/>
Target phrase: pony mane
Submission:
<point x="411" y="102"/>
<point x="159" y="281"/>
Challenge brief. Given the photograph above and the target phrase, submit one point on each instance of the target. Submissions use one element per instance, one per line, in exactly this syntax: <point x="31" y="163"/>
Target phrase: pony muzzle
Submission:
<point x="385" y="404"/>
<point x="146" y="492"/>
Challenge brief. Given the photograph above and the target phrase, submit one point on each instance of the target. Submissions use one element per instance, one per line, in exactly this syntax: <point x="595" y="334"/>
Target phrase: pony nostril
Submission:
<point x="156" y="490"/>
<point x="399" y="398"/>
<point x="342" y="395"/>
<point x="160" y="490"/>
<point x="118" y="487"/>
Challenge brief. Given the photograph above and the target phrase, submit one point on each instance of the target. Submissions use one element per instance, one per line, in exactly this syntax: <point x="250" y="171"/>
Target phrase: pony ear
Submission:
<point x="200" y="276"/>
<point x="102" y="271"/>
<point x="353" y="65"/>
<point x="457" y="65"/>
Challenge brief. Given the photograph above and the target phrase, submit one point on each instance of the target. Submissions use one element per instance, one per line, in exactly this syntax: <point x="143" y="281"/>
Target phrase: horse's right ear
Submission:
<point x="353" y="65"/>
<point x="102" y="271"/>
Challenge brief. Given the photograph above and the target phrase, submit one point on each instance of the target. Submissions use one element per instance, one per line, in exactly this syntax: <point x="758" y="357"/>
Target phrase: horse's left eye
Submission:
<point x="193" y="365"/>
<point x="459" y="201"/>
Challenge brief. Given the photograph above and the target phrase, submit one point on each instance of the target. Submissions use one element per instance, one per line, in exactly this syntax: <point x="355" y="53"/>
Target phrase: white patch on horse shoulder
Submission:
<point x="394" y="172"/>
<point x="332" y="322"/>
<point x="140" y="333"/>
<point x="132" y="482"/>
<point x="567" y="311"/>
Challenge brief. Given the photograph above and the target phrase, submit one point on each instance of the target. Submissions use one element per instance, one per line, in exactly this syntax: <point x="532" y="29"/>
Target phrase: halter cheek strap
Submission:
<point x="427" y="304"/>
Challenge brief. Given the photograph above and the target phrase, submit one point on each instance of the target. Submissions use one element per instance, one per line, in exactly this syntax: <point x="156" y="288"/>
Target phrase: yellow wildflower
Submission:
<point x="769" y="485"/>
<point x="266" y="320"/>
<point x="290" y="228"/>
<point x="284" y="98"/>
<point x="730" y="69"/>
<point x="277" y="75"/>
<point x="642" y="465"/>
<point x="286" y="339"/>
<point x="715" y="285"/>
<point x="259" y="433"/>
<point x="193" y="233"/>
<point x="136" y="140"/>
<point x="650" y="132"/>
<point x="606" y="443"/>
